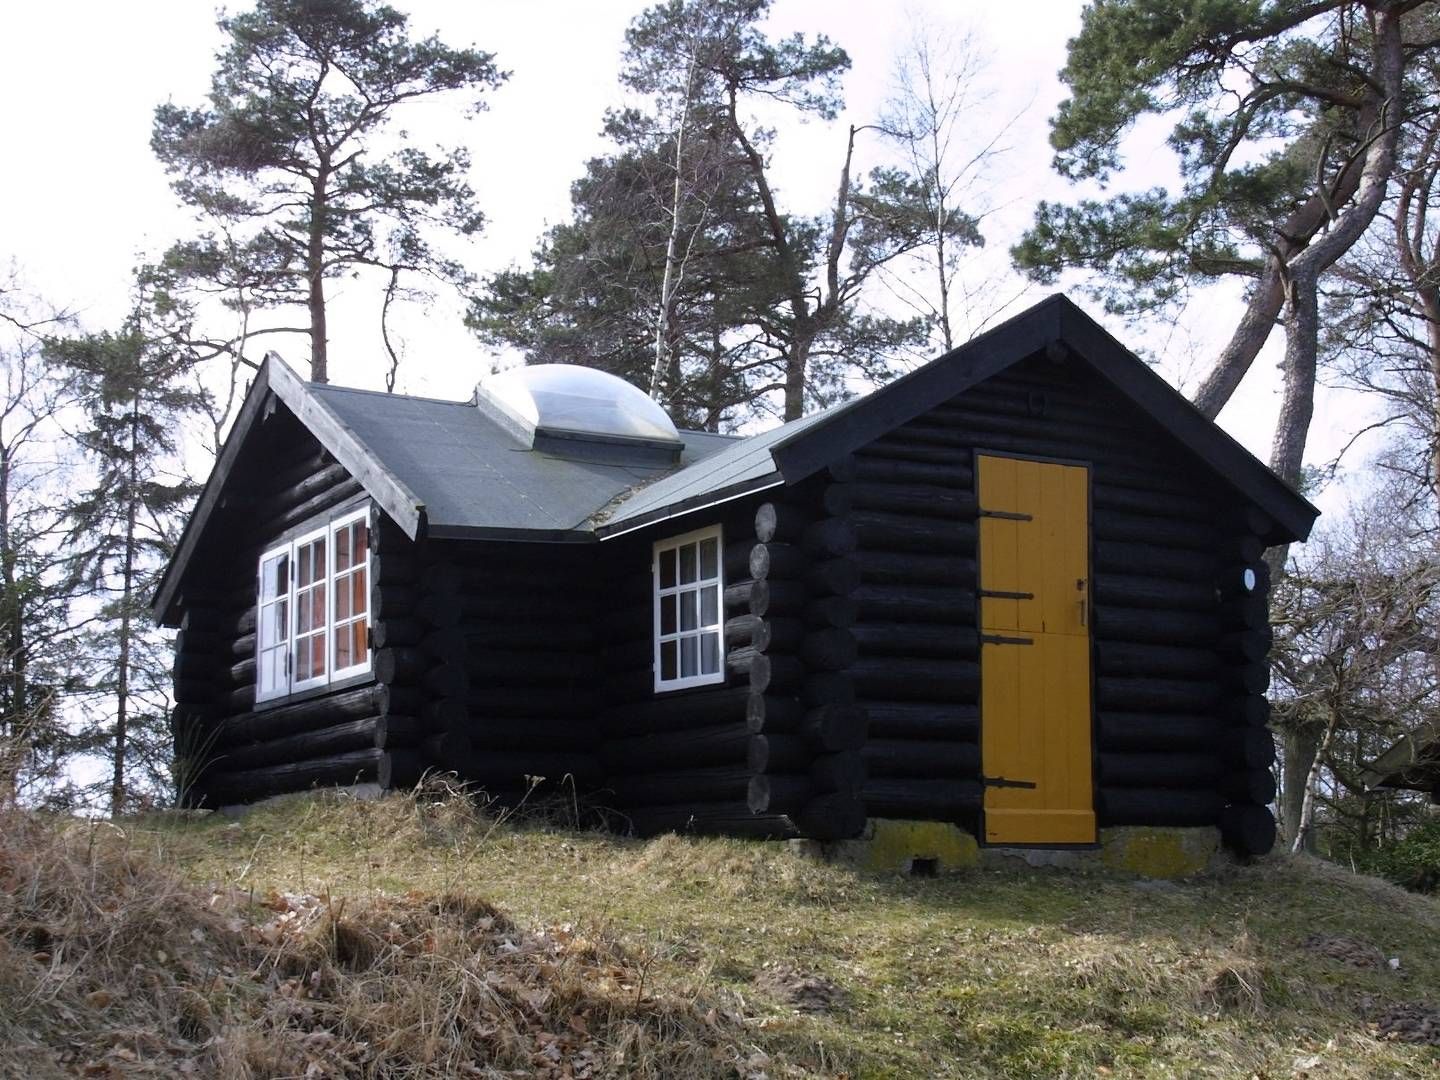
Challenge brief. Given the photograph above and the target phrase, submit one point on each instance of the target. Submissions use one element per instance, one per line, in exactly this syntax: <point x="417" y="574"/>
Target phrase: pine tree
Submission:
<point x="290" y="169"/>
<point x="135" y="391"/>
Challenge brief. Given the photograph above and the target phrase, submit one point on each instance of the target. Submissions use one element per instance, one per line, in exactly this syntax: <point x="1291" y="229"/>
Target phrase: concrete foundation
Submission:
<point x="938" y="847"/>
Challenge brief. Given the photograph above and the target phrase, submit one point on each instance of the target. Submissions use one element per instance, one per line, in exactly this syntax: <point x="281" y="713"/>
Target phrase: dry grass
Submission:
<point x="110" y="964"/>
<point x="369" y="952"/>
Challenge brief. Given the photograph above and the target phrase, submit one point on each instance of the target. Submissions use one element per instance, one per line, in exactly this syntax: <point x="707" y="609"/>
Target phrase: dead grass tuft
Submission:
<point x="110" y="963"/>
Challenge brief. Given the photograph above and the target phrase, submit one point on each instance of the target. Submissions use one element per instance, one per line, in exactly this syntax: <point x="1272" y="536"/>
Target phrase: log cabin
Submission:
<point x="1019" y="589"/>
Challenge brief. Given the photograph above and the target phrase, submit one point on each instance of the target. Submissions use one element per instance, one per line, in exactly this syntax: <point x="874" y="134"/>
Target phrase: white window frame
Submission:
<point x="291" y="548"/>
<point x="682" y="682"/>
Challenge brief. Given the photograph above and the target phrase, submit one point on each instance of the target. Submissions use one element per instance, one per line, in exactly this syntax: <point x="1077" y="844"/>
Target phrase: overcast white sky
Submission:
<point x="82" y="199"/>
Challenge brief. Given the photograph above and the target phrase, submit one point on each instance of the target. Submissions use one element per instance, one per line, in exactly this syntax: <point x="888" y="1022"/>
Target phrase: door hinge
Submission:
<point x="999" y="594"/>
<point x="1001" y="639"/>
<point x="1000" y="781"/>
<point x="1006" y="515"/>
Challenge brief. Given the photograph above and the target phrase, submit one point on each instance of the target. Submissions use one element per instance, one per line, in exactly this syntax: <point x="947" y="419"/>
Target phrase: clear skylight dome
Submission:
<point x="565" y="398"/>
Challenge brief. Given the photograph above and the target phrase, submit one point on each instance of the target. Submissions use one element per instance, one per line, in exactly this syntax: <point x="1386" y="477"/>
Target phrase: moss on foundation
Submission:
<point x="1155" y="852"/>
<point x="893" y="846"/>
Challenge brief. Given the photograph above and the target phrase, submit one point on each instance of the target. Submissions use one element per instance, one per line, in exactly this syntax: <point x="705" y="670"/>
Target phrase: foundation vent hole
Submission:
<point x="924" y="867"/>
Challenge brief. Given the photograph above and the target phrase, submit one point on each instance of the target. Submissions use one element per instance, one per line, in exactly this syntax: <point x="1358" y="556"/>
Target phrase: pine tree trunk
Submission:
<point x="13" y="728"/>
<point x="315" y="271"/>
<point x="127" y="592"/>
<point x="665" y="315"/>
<point x="1303" y="839"/>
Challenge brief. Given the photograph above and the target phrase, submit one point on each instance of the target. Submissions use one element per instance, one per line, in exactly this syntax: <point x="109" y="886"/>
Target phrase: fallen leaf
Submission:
<point x="99" y="999"/>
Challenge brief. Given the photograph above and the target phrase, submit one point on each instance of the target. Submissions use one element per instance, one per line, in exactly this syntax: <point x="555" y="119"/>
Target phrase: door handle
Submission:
<point x="1084" y="602"/>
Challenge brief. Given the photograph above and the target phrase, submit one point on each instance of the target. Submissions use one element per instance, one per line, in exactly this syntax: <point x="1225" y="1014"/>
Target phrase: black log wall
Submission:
<point x="227" y="751"/>
<point x="1179" y="644"/>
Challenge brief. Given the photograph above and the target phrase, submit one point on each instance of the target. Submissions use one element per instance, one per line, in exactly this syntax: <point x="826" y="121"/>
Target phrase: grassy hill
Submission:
<point x="409" y="938"/>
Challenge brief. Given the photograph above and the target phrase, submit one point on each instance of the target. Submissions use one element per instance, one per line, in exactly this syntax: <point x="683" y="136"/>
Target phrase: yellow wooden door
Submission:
<point x="1035" y="725"/>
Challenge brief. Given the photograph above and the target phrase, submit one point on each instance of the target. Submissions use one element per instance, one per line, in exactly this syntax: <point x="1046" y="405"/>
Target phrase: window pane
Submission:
<point x="687" y="610"/>
<point x="709" y="558"/>
<point x="710" y="605"/>
<point x="302" y="659"/>
<point x="689" y="657"/>
<point x="342" y="647"/>
<point x="667" y="660"/>
<point x="667" y="615"/>
<point x="709" y="654"/>
<point x="317" y="605"/>
<point x="302" y="569"/>
<point x="317" y="654"/>
<point x="687" y="564"/>
<point x="359" y="542"/>
<point x="361" y="649"/>
<point x="275" y="577"/>
<point x="667" y="569"/>
<point x="342" y="549"/>
<point x="342" y="599"/>
<point x="302" y="622"/>
<point x="319" y="558"/>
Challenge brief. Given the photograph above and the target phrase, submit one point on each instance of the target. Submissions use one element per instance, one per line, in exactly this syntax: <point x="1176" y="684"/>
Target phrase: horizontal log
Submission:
<point x="735" y="558"/>
<point x="1181" y="769"/>
<point x="1248" y="748"/>
<point x="520" y="668"/>
<point x="829" y="538"/>
<point x="845" y="771"/>
<point x="1155" y="661"/>
<point x="777" y="598"/>
<point x="764" y="634"/>
<point x="882" y="531"/>
<point x="1147" y="560"/>
<point x="398" y="633"/>
<point x="832" y="577"/>
<point x="1248" y="830"/>
<point x="917" y="640"/>
<point x="242" y="646"/>
<point x="313" y="713"/>
<point x="1166" y="594"/>
<point x="201" y="692"/>
<point x="912" y="720"/>
<point x="901" y="679"/>
<point x="780" y="561"/>
<point x="1130" y="500"/>
<point x="827" y="688"/>
<point x="779" y="793"/>
<point x="913" y="568"/>
<point x="778" y="754"/>
<point x="888" y="449"/>
<point x="780" y="522"/>
<point x="1254" y="787"/>
<point x="526" y="701"/>
<point x="1163" y="731"/>
<point x="573" y="634"/>
<point x="450" y="681"/>
<point x="771" y="674"/>
<point x="919" y="500"/>
<point x="1157" y="627"/>
<point x="922" y="758"/>
<point x="1158" y="531"/>
<point x="729" y="818"/>
<point x="330" y="497"/>
<point x="861" y="468"/>
<point x="1157" y="695"/>
<point x="828" y="650"/>
<point x="1245" y="548"/>
<point x="444" y="714"/>
<point x="840" y="612"/>
<point x="713" y="744"/>
<point x="400" y="770"/>
<point x="1251" y="711"/>
<point x="401" y="665"/>
<point x="1245" y="613"/>
<point x="1245" y="679"/>
<point x="765" y="712"/>
<point x="718" y="784"/>
<point x="393" y="568"/>
<point x="940" y="800"/>
<point x="1247" y="646"/>
<point x="352" y="767"/>
<point x="832" y="816"/>
<point x="915" y="603"/>
<point x="825" y="729"/>
<point x="319" y="743"/>
<point x="1159" y="806"/>
<point x="675" y="711"/>
<point x="397" y="732"/>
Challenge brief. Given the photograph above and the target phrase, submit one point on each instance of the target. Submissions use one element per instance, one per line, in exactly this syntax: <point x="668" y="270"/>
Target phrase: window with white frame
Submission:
<point x="689" y="637"/>
<point x="312" y="609"/>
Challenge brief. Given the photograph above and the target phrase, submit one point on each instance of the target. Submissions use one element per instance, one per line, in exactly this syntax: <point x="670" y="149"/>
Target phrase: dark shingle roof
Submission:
<point x="476" y="479"/>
